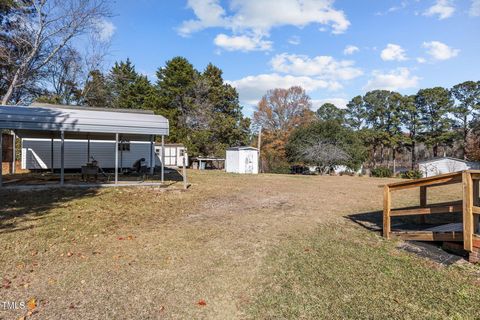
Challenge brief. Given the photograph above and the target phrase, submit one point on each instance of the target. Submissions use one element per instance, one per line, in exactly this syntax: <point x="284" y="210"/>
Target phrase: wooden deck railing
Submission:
<point x="469" y="206"/>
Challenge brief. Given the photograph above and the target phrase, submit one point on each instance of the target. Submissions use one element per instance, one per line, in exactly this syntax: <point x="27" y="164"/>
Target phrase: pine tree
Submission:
<point x="434" y="105"/>
<point x="96" y="92"/>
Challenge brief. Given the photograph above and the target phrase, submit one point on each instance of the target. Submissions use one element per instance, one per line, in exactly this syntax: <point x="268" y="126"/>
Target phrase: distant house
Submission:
<point x="436" y="166"/>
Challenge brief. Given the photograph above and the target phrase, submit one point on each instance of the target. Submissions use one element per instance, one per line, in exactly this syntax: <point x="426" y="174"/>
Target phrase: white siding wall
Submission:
<point x="242" y="161"/>
<point x="231" y="161"/>
<point x="36" y="153"/>
<point x="446" y="165"/>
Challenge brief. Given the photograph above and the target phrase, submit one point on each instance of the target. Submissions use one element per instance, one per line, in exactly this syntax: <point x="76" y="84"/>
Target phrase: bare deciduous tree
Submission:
<point x="325" y="155"/>
<point x="39" y="31"/>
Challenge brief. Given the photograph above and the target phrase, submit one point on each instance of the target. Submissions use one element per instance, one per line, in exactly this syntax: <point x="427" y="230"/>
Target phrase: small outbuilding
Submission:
<point x="437" y="166"/>
<point x="242" y="160"/>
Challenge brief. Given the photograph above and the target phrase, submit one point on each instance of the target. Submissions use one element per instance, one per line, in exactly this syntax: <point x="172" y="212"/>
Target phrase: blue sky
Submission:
<point x="334" y="49"/>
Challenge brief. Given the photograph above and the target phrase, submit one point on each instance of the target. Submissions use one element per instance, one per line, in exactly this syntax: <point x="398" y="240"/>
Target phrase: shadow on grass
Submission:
<point x="373" y="221"/>
<point x="19" y="206"/>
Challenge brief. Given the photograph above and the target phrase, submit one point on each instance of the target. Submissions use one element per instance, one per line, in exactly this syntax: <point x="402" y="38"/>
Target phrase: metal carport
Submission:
<point x="77" y="122"/>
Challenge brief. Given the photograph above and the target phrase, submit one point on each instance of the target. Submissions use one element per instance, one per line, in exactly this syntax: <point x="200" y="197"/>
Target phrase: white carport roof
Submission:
<point x="77" y="122"/>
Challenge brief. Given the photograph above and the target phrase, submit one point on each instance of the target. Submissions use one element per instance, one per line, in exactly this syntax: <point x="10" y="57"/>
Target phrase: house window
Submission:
<point x="182" y="152"/>
<point x="124" y="146"/>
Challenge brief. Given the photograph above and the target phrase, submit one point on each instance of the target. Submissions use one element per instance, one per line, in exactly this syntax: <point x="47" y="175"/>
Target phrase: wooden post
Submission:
<point x="62" y="158"/>
<point x="259" y="147"/>
<point x="387" y="207"/>
<point x="423" y="203"/>
<point x="476" y="202"/>
<point x="185" y="183"/>
<point x="116" y="158"/>
<point x="467" y="211"/>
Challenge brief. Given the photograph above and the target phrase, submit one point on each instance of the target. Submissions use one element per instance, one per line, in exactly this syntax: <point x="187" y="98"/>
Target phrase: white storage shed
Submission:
<point x="242" y="160"/>
<point x="436" y="166"/>
<point x="174" y="154"/>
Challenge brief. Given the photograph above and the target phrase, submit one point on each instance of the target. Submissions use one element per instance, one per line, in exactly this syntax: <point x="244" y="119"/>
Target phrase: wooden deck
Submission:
<point x="468" y="231"/>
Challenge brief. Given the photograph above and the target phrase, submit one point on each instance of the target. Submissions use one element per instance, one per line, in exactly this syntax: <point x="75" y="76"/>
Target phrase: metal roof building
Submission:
<point x="76" y="122"/>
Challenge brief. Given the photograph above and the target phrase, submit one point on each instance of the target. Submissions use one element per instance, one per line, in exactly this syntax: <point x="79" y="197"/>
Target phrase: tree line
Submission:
<point x="51" y="52"/>
<point x="377" y="129"/>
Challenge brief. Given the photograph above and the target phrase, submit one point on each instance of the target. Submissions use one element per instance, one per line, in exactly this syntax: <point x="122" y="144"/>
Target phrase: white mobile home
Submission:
<point x="436" y="166"/>
<point x="242" y="160"/>
<point x="37" y="153"/>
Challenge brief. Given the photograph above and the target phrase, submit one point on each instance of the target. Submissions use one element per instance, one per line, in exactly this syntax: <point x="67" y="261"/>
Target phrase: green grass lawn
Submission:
<point x="348" y="273"/>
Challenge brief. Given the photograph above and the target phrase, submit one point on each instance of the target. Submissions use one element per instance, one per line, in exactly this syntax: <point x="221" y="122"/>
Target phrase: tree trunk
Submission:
<point x="465" y="136"/>
<point x="413" y="154"/>
<point x="435" y="150"/>
<point x="12" y="85"/>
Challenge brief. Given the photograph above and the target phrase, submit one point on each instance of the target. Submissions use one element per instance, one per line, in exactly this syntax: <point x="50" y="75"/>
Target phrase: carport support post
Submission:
<point x="51" y="154"/>
<point x="152" y="162"/>
<point x="62" y="158"/>
<point x="88" y="148"/>
<point x="14" y="151"/>
<point x="163" y="159"/>
<point x="116" y="158"/>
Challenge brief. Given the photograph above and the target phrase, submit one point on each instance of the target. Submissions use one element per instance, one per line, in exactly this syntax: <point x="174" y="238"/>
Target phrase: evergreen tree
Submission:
<point x="228" y="126"/>
<point x="175" y="86"/>
<point x="97" y="92"/>
<point x="411" y="121"/>
<point x="330" y="112"/>
<point x="434" y="105"/>
<point x="355" y="113"/>
<point x="467" y="95"/>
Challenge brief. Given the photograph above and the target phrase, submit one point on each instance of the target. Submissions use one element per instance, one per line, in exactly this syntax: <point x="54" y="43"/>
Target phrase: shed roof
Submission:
<point x="76" y="122"/>
<point x="241" y="148"/>
<point x="443" y="158"/>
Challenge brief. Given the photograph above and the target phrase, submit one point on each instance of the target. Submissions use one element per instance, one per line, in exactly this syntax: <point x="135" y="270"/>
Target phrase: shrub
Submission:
<point x="382" y="172"/>
<point x="412" y="174"/>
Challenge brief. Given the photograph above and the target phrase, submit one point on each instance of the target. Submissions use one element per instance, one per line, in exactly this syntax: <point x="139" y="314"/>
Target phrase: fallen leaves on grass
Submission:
<point x="6" y="283"/>
<point x="31" y="304"/>
<point x="126" y="238"/>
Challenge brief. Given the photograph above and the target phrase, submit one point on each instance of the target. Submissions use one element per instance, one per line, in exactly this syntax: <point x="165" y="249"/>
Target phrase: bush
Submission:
<point x="281" y="168"/>
<point x="412" y="174"/>
<point x="382" y="172"/>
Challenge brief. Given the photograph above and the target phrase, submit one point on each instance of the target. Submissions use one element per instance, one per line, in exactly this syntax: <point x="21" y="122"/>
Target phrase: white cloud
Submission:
<point x="349" y="50"/>
<point x="442" y="8"/>
<point x="421" y="60"/>
<point x="393" y="52"/>
<point x="253" y="17"/>
<point x="475" y="8"/>
<point x="323" y="67"/>
<point x="440" y="51"/>
<point x="399" y="78"/>
<point x="295" y="40"/>
<point x="242" y="43"/>
<point x="252" y="88"/>
<point x="338" y="102"/>
<point x="105" y="30"/>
